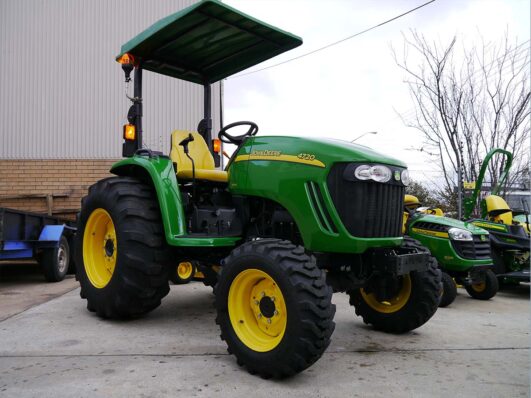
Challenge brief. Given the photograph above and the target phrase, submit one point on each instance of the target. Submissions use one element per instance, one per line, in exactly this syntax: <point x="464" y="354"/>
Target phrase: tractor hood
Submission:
<point x="322" y="152"/>
<point x="427" y="221"/>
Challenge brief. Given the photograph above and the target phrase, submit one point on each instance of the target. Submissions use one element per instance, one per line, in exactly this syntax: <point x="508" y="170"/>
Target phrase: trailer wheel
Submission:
<point x="120" y="249"/>
<point x="449" y="292"/>
<point x="55" y="262"/>
<point x="486" y="289"/>
<point x="274" y="308"/>
<point x="415" y="300"/>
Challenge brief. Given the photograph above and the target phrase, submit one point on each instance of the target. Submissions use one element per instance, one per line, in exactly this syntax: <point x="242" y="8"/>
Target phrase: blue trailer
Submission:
<point x="47" y="239"/>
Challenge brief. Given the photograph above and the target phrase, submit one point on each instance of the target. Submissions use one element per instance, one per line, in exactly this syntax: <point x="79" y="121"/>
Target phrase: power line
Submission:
<point x="334" y="43"/>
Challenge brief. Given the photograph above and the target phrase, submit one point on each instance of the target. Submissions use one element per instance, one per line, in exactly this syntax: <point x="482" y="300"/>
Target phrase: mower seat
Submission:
<point x="498" y="210"/>
<point x="198" y="150"/>
<point x="411" y="202"/>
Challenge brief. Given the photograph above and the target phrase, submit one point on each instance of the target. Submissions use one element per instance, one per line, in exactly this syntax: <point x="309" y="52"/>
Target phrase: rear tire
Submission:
<point x="55" y="262"/>
<point x="412" y="307"/>
<point x="449" y="290"/>
<point x="120" y="249"/>
<point x="485" y="290"/>
<point x="274" y="308"/>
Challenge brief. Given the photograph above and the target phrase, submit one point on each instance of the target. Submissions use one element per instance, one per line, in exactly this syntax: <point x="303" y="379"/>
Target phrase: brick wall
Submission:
<point x="49" y="185"/>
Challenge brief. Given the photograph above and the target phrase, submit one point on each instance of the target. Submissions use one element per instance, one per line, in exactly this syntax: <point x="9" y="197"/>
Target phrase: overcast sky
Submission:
<point x="356" y="87"/>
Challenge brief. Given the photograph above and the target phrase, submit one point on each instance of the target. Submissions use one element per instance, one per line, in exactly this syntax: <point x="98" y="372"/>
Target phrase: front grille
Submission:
<point x="431" y="226"/>
<point x="368" y="209"/>
<point x="473" y="250"/>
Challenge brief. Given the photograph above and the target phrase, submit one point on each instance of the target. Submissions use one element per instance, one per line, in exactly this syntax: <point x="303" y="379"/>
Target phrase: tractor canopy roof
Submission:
<point x="207" y="42"/>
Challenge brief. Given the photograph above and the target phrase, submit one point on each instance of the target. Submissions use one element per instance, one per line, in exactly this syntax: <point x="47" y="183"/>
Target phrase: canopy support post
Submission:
<point x="207" y="134"/>
<point x="134" y="116"/>
<point x="205" y="127"/>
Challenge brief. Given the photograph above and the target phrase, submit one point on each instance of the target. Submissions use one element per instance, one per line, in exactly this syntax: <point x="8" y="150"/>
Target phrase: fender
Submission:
<point x="50" y="236"/>
<point x="158" y="170"/>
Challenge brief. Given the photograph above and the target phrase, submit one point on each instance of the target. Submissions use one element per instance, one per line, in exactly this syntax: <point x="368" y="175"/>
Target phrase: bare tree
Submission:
<point x="469" y="102"/>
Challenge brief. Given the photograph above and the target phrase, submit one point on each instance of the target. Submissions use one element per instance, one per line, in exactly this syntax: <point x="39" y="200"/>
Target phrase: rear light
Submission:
<point x="216" y="145"/>
<point x="129" y="132"/>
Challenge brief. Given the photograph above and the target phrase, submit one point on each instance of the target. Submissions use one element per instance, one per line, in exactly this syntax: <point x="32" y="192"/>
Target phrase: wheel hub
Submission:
<point x="257" y="310"/>
<point x="264" y="295"/>
<point x="267" y="307"/>
<point x="109" y="247"/>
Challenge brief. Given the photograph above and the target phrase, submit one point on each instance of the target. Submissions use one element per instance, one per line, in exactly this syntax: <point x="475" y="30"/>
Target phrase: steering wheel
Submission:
<point x="237" y="139"/>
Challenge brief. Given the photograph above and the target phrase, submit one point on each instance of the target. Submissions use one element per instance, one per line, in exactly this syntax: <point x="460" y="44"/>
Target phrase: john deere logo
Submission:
<point x="266" y="152"/>
<point x="397" y="175"/>
<point x="483" y="238"/>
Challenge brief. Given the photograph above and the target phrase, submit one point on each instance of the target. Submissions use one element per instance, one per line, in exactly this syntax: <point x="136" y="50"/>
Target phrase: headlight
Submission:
<point x="405" y="177"/>
<point x="377" y="173"/>
<point x="460" y="234"/>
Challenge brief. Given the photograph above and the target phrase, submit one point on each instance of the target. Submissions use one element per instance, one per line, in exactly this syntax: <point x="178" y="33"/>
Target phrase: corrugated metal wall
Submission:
<point x="61" y="91"/>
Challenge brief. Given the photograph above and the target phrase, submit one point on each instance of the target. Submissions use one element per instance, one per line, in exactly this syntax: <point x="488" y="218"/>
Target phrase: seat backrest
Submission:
<point x="198" y="150"/>
<point x="411" y="202"/>
<point x="498" y="210"/>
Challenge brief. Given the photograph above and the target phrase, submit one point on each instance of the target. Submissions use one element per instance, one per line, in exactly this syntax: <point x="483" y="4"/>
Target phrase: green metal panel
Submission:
<point x="207" y="42"/>
<point x="279" y="168"/>
<point x="162" y="174"/>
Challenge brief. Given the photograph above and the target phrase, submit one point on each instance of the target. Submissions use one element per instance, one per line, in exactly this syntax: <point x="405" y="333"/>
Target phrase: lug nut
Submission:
<point x="256" y="302"/>
<point x="272" y="298"/>
<point x="276" y="312"/>
<point x="268" y="320"/>
<point x="262" y="294"/>
<point x="259" y="315"/>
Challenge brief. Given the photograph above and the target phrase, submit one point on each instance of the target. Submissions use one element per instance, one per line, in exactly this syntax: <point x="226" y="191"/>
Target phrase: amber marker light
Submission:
<point x="126" y="59"/>
<point x="216" y="145"/>
<point x="129" y="132"/>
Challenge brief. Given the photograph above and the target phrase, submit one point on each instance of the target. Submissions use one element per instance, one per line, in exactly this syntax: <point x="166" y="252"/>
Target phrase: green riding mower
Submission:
<point x="287" y="222"/>
<point x="508" y="228"/>
<point x="461" y="249"/>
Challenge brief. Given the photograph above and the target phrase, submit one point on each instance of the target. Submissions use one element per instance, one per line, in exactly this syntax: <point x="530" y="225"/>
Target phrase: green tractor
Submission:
<point x="287" y="222"/>
<point x="508" y="228"/>
<point x="462" y="250"/>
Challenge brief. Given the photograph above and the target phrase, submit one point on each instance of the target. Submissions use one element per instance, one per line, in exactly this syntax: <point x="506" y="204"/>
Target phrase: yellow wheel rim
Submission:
<point x="257" y="310"/>
<point x="99" y="248"/>
<point x="393" y="304"/>
<point x="185" y="270"/>
<point x="479" y="287"/>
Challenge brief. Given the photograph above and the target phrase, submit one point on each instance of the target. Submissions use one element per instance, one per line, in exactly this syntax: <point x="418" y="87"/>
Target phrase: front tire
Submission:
<point x="121" y="252"/>
<point x="485" y="290"/>
<point x="449" y="290"/>
<point x="274" y="308"/>
<point x="414" y="303"/>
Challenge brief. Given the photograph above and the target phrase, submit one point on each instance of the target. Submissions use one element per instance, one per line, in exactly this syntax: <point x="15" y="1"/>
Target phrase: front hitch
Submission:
<point x="399" y="261"/>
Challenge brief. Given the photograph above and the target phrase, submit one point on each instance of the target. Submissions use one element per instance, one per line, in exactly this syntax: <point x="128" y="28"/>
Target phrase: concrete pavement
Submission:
<point x="59" y="349"/>
<point x="22" y="286"/>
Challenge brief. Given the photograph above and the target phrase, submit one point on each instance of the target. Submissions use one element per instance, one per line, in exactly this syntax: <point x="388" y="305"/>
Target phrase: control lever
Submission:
<point x="184" y="143"/>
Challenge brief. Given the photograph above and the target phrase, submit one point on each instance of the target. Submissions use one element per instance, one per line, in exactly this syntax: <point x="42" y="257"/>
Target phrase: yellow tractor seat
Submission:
<point x="198" y="150"/>
<point x="498" y="210"/>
